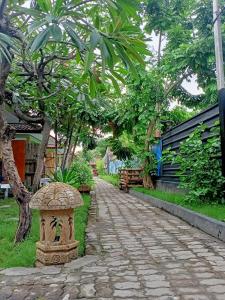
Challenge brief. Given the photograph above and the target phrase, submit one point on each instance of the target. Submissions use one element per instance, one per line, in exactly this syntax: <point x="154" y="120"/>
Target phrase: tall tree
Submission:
<point x="97" y="35"/>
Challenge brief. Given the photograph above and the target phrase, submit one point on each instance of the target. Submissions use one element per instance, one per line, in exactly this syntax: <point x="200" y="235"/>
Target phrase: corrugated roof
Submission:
<point x="26" y="128"/>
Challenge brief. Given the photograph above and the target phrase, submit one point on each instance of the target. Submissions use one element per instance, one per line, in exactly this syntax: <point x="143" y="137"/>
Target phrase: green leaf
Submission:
<point x="92" y="86"/>
<point x="112" y="57"/>
<point x="36" y="25"/>
<point x="97" y="22"/>
<point x="40" y="40"/>
<point x="135" y="55"/>
<point x="115" y="84"/>
<point x="58" y="6"/>
<point x="126" y="60"/>
<point x="56" y="32"/>
<point x="94" y="39"/>
<point x="118" y="76"/>
<point x="7" y="40"/>
<point x="129" y="7"/>
<point x="45" y="5"/>
<point x="74" y="36"/>
<point x="29" y="11"/>
<point x="4" y="52"/>
<point x="88" y="60"/>
<point x="104" y="50"/>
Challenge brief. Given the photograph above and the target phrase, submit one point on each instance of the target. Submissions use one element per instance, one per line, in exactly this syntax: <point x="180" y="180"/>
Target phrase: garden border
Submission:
<point x="208" y="225"/>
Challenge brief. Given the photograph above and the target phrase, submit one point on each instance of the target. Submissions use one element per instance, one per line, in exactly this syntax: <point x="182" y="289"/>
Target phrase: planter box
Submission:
<point x="84" y="189"/>
<point x="210" y="226"/>
<point x="130" y="178"/>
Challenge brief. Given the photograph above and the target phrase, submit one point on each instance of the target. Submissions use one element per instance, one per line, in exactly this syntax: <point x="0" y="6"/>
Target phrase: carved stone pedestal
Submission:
<point x="56" y="202"/>
<point x="55" y="255"/>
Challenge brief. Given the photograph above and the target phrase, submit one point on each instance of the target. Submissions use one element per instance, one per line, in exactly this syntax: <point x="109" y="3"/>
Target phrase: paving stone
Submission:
<point x="140" y="252"/>
<point x="49" y="270"/>
<point x="81" y="262"/>
<point x="128" y="293"/>
<point x="196" y="297"/>
<point x="127" y="285"/>
<point x="158" y="292"/>
<point x="157" y="284"/>
<point x="87" y="290"/>
<point x="212" y="281"/>
<point x="218" y="289"/>
<point x="18" y="271"/>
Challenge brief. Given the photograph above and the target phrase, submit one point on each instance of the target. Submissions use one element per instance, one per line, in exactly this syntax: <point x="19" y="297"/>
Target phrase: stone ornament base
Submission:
<point x="55" y="255"/>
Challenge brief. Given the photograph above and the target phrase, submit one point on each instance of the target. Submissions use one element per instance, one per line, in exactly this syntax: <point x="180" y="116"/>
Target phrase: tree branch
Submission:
<point x="21" y="115"/>
<point x="25" y="117"/>
<point x="177" y="82"/>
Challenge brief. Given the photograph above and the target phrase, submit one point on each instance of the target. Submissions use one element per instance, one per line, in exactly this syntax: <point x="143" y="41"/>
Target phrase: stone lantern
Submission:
<point x="56" y="202"/>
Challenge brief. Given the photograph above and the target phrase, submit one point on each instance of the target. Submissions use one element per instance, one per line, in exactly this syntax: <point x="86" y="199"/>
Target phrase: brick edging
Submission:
<point x="211" y="226"/>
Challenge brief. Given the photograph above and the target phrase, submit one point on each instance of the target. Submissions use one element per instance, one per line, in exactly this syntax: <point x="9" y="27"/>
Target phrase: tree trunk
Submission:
<point x="67" y="149"/>
<point x="68" y="156"/>
<point x="65" y="146"/>
<point x="19" y="190"/>
<point x="71" y="156"/>
<point x="41" y="154"/>
<point x="147" y="180"/>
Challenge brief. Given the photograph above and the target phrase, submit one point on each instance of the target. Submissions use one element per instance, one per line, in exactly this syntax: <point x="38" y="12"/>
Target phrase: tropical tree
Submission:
<point x="101" y="38"/>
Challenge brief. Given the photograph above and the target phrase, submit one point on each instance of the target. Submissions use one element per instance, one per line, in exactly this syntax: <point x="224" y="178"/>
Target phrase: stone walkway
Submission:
<point x="141" y="252"/>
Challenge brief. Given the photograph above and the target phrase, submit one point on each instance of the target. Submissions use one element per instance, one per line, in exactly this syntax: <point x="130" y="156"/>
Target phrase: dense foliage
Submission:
<point x="78" y="174"/>
<point x="199" y="166"/>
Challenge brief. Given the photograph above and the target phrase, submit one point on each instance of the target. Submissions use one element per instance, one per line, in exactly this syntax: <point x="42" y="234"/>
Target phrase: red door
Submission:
<point x="19" y="152"/>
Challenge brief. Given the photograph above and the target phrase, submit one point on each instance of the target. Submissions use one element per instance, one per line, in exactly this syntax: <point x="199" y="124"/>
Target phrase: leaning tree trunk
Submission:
<point x="19" y="190"/>
<point x="41" y="154"/>
<point x="6" y="134"/>
<point x="147" y="179"/>
<point x="70" y="158"/>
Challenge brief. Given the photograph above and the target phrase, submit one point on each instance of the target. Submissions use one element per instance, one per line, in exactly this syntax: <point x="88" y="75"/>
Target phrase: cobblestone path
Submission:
<point x="141" y="252"/>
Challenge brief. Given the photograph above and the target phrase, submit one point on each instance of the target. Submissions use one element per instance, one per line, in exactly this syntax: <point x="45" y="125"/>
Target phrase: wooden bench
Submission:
<point x="130" y="178"/>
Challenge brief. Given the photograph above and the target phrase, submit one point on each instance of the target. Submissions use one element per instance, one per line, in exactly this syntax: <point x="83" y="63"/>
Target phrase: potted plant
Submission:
<point x="79" y="175"/>
<point x="83" y="176"/>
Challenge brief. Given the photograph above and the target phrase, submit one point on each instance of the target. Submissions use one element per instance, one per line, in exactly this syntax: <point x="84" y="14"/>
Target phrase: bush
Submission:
<point x="66" y="176"/>
<point x="200" y="169"/>
<point x="80" y="173"/>
<point x="100" y="166"/>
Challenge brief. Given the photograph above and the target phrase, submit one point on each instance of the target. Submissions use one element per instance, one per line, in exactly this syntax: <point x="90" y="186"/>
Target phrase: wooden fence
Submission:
<point x="172" y="139"/>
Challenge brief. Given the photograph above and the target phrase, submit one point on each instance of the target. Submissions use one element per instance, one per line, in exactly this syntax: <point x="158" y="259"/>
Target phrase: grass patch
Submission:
<point x="81" y="219"/>
<point x="113" y="179"/>
<point x="23" y="255"/>
<point x="216" y="211"/>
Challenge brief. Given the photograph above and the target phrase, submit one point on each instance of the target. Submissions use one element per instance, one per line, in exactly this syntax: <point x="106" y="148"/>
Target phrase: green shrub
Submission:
<point x="66" y="176"/>
<point x="100" y="166"/>
<point x="80" y="173"/>
<point x="199" y="166"/>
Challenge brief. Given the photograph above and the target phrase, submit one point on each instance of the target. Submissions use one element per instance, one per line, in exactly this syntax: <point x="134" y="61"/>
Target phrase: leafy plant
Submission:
<point x="100" y="166"/>
<point x="82" y="173"/>
<point x="78" y="174"/>
<point x="66" y="176"/>
<point x="199" y="166"/>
